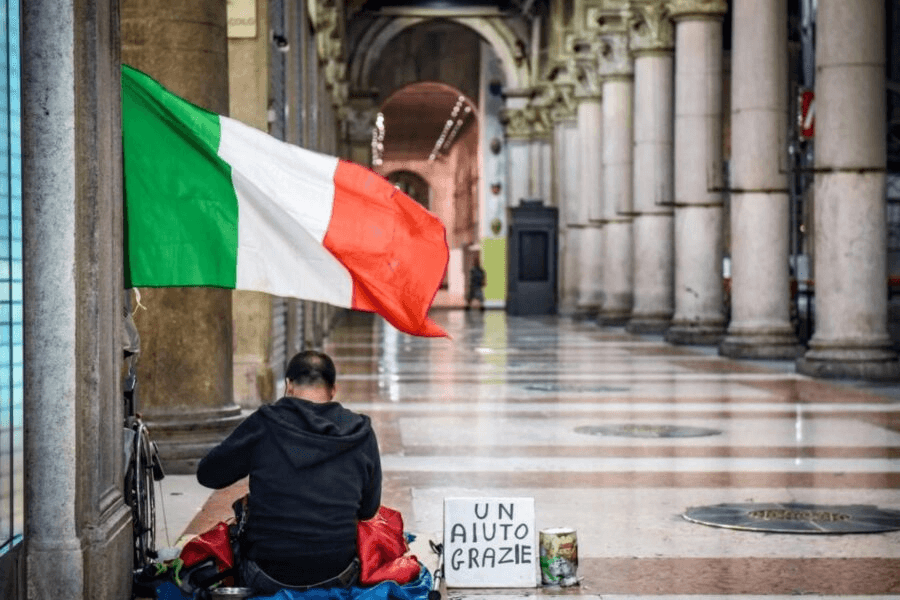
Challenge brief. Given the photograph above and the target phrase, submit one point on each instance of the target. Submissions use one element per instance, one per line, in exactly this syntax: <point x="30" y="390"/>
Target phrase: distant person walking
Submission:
<point x="477" y="279"/>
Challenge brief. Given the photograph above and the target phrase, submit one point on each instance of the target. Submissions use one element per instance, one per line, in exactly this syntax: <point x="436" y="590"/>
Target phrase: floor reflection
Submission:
<point x="506" y="408"/>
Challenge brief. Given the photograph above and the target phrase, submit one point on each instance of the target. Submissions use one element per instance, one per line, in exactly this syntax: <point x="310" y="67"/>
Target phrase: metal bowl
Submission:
<point x="230" y="593"/>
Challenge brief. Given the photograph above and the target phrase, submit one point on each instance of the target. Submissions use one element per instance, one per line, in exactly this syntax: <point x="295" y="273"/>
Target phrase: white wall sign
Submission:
<point x="241" y="18"/>
<point x="490" y="542"/>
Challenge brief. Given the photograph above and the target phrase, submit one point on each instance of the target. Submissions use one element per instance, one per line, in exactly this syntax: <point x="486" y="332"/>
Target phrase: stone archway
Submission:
<point x="431" y="137"/>
<point x="483" y="56"/>
<point x="502" y="39"/>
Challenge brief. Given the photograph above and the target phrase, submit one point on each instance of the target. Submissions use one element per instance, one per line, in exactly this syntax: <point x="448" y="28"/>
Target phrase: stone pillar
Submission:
<point x="565" y="169"/>
<point x="850" y="338"/>
<point x="652" y="43"/>
<point x="361" y="121"/>
<point x="547" y="152"/>
<point x="698" y="317"/>
<point x="185" y="369"/>
<point x="760" y="293"/>
<point x="49" y="186"/>
<point x="539" y="168"/>
<point x="518" y="136"/>
<point x="618" y="143"/>
<point x="590" y="190"/>
<point x="78" y="534"/>
<point x="540" y="178"/>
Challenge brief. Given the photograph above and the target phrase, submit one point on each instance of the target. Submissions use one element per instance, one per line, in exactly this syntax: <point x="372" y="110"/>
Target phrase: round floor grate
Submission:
<point x="647" y="431"/>
<point x="797" y="518"/>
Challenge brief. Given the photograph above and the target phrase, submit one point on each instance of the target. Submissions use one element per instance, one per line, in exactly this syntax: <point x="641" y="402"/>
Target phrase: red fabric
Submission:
<point x="215" y="543"/>
<point x="395" y="250"/>
<point x="383" y="550"/>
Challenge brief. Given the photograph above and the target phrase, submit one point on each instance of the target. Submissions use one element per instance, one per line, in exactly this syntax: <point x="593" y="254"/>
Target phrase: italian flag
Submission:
<point x="210" y="201"/>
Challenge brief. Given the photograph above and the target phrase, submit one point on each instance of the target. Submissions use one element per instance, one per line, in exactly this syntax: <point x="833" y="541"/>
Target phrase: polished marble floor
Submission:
<point x="506" y="407"/>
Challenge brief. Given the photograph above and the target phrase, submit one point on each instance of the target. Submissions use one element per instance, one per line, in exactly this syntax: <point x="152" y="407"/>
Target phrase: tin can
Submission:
<point x="559" y="556"/>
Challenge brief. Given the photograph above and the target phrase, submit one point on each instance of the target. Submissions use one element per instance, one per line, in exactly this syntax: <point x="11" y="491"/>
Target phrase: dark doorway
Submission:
<point x="532" y="259"/>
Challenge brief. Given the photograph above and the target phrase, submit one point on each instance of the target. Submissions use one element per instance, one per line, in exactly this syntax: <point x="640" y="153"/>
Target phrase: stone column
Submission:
<point x="615" y="68"/>
<point x="518" y="139"/>
<point x="540" y="178"/>
<point x="698" y="317"/>
<point x="54" y="556"/>
<point x="651" y="44"/>
<point x="760" y="293"/>
<point x="590" y="190"/>
<point x="565" y="169"/>
<point x="850" y="338"/>
<point x="185" y="369"/>
<point x="361" y="121"/>
<point x="78" y="535"/>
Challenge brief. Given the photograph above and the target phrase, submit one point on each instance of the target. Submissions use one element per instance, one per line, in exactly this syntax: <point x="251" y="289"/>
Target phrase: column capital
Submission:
<point x="564" y="107"/>
<point x="540" y="109"/>
<point x="516" y="123"/>
<point x="652" y="30"/>
<point x="587" y="80"/>
<point x="614" y="59"/>
<point x="607" y="24"/>
<point x="540" y="121"/>
<point x="360" y="118"/>
<point x="563" y="79"/>
<point x="687" y="9"/>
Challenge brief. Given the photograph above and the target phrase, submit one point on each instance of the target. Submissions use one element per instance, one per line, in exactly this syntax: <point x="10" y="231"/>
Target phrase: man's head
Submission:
<point x="311" y="375"/>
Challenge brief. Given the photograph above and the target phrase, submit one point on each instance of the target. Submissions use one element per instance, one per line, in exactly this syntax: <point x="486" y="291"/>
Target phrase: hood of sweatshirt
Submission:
<point x="310" y="432"/>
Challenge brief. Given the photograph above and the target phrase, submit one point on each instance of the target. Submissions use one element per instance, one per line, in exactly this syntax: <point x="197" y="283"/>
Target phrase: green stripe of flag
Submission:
<point x="181" y="211"/>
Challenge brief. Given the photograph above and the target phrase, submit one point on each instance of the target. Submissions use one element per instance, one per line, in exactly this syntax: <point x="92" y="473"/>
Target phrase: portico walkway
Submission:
<point x="496" y="410"/>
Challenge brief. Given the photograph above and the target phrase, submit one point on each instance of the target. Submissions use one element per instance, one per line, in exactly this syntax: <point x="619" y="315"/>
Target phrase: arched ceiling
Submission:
<point x="437" y="50"/>
<point x="415" y="116"/>
<point x="371" y="37"/>
<point x="375" y="5"/>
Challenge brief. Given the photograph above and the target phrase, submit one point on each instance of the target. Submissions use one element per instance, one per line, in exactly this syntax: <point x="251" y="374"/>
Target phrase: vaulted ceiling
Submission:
<point x="416" y="116"/>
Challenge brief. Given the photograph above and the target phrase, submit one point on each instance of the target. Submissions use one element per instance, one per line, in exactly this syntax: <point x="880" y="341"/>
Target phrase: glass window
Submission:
<point x="12" y="450"/>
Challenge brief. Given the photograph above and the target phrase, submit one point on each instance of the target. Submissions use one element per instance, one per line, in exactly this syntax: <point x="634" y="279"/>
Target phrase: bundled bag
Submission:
<point x="211" y="558"/>
<point x="215" y="544"/>
<point x="383" y="550"/>
<point x="206" y="561"/>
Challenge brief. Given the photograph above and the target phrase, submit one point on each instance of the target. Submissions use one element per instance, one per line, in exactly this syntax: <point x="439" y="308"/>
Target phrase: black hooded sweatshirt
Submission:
<point x="314" y="471"/>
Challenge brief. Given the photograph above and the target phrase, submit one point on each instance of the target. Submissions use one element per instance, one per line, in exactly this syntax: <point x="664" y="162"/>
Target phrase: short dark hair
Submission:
<point x="311" y="368"/>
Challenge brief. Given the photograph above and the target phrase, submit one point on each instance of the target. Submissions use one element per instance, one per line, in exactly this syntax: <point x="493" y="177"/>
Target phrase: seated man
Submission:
<point x="314" y="471"/>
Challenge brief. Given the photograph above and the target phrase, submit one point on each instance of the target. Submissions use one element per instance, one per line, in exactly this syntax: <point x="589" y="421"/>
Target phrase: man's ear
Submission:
<point x="333" y="392"/>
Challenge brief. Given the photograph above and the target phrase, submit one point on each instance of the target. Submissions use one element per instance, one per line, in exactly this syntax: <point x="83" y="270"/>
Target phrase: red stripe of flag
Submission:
<point x="395" y="250"/>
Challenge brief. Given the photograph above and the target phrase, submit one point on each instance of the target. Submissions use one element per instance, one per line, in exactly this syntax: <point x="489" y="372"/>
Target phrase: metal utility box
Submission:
<point x="532" y="259"/>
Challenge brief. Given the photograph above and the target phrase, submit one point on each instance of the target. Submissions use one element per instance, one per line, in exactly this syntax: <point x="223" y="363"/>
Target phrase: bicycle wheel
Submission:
<point x="139" y="487"/>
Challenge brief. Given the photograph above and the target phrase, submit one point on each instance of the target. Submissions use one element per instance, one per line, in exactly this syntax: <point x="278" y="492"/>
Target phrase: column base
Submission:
<point x="613" y="318"/>
<point x="55" y="569"/>
<point x="186" y="437"/>
<point x="762" y="346"/>
<point x="850" y="362"/>
<point x="695" y="333"/>
<point x="585" y="313"/>
<point x="649" y="323"/>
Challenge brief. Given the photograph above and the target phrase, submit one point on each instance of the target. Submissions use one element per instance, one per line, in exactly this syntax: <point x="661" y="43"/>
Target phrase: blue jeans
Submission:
<point x="254" y="577"/>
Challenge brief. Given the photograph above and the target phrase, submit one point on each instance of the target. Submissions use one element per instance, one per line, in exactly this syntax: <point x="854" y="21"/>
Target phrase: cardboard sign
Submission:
<point x="490" y="542"/>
